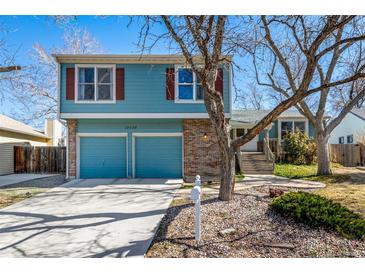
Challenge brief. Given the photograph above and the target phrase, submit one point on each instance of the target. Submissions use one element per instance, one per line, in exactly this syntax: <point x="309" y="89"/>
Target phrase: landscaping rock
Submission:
<point x="280" y="245"/>
<point x="255" y="224"/>
<point x="274" y="192"/>
<point x="227" y="231"/>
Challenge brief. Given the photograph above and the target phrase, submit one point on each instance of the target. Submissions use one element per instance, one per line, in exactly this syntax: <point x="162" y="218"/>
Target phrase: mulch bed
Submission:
<point x="259" y="232"/>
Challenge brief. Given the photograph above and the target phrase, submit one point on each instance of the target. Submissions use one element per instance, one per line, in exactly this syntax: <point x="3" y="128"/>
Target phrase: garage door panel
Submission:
<point x="103" y="157"/>
<point x="158" y="157"/>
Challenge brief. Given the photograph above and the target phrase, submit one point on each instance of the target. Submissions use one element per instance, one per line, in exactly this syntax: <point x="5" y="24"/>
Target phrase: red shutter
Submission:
<point x="120" y="83"/>
<point x="70" y="84"/>
<point x="170" y="84"/>
<point x="219" y="81"/>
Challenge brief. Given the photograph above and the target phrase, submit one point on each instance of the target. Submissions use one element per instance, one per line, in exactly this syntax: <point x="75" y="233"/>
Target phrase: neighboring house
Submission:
<point x="351" y="128"/>
<point x="242" y="120"/>
<point x="13" y="132"/>
<point x="138" y="117"/>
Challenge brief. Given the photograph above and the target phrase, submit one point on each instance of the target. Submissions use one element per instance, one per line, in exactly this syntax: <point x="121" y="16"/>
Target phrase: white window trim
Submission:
<point x="185" y="101"/>
<point x="95" y="101"/>
<point x="292" y="120"/>
<point x="101" y="135"/>
<point x="172" y="134"/>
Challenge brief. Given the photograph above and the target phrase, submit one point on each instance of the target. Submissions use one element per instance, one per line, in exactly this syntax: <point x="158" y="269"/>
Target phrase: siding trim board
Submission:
<point x="134" y="135"/>
<point x="137" y="115"/>
<point x="99" y="135"/>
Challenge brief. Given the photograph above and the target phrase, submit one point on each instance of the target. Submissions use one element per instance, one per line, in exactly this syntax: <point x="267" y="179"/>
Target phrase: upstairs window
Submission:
<point x="189" y="88"/>
<point x="341" y="140"/>
<point x="95" y="84"/>
<point x="350" y="139"/>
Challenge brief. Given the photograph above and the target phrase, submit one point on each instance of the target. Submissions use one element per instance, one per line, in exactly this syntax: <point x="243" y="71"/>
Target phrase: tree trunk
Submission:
<point x="239" y="160"/>
<point x="228" y="172"/>
<point x="323" y="156"/>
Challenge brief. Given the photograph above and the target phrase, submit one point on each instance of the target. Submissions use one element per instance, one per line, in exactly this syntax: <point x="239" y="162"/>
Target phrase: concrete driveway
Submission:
<point x="87" y="218"/>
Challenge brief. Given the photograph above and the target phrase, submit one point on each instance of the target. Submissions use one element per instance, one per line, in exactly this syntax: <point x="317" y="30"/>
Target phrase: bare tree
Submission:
<point x="36" y="88"/>
<point x="309" y="51"/>
<point x="205" y="42"/>
<point x="255" y="97"/>
<point x="8" y="65"/>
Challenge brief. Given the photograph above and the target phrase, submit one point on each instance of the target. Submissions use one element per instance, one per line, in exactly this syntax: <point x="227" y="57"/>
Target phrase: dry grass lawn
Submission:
<point x="350" y="195"/>
<point x="346" y="185"/>
<point x="14" y="195"/>
<point x="351" y="192"/>
<point x="11" y="194"/>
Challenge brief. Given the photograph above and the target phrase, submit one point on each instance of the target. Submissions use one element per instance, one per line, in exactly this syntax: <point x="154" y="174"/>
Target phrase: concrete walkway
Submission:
<point x="21" y="177"/>
<point x="255" y="180"/>
<point x="87" y="218"/>
<point x="273" y="180"/>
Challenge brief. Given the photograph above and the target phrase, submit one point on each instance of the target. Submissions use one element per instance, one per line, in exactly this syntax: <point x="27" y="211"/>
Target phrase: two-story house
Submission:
<point x="138" y="116"/>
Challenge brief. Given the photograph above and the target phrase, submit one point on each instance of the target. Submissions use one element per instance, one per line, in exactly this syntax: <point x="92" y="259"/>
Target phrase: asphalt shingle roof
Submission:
<point x="250" y="116"/>
<point x="359" y="112"/>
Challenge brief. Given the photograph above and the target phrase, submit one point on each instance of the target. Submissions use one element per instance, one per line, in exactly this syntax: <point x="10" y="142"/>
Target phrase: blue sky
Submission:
<point x="113" y="33"/>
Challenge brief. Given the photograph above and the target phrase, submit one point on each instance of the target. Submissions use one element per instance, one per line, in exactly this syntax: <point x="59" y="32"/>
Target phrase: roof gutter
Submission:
<point x="128" y="59"/>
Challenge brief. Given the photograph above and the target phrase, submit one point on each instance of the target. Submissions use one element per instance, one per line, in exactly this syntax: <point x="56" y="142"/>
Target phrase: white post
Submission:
<point x="195" y="196"/>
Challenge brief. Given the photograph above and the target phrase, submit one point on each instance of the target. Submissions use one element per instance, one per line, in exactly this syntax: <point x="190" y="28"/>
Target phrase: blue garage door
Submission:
<point x="158" y="157"/>
<point x="103" y="157"/>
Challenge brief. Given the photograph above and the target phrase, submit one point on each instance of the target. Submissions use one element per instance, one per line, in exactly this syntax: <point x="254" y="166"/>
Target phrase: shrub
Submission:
<point x="316" y="211"/>
<point x="299" y="148"/>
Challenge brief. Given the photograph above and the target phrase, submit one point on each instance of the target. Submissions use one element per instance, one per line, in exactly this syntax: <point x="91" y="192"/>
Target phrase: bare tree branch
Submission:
<point x="10" y="68"/>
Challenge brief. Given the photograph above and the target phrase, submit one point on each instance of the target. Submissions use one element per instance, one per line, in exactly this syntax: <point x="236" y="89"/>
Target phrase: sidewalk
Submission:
<point x="21" y="177"/>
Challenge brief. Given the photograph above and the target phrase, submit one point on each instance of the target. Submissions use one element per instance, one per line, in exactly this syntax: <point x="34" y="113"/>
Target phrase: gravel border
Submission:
<point x="259" y="232"/>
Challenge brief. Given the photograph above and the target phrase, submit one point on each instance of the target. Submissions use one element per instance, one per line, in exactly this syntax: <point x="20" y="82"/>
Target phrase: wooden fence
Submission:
<point x="347" y="154"/>
<point x="28" y="159"/>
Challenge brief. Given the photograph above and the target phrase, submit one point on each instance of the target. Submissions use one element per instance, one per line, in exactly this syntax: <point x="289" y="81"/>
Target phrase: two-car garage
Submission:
<point x="147" y="155"/>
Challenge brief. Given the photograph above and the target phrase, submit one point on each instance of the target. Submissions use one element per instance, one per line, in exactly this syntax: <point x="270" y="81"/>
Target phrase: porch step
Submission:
<point x="255" y="163"/>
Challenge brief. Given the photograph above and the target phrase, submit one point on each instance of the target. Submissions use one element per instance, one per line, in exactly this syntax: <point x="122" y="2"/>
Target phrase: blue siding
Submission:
<point x="103" y="157"/>
<point x="158" y="157"/>
<point x="129" y="126"/>
<point x="145" y="92"/>
<point x="273" y="132"/>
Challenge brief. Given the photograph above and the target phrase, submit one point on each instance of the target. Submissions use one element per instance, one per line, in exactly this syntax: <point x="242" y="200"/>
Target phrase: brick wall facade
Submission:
<point x="201" y="155"/>
<point x="71" y="125"/>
